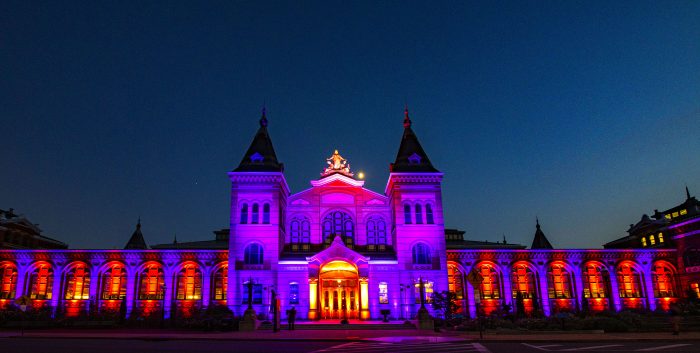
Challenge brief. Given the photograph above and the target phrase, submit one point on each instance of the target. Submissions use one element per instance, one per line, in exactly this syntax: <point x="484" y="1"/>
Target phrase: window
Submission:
<point x="256" y="214"/>
<point x="257" y="293"/>
<point x="41" y="282"/>
<point x="8" y="281"/>
<point x="376" y="234"/>
<point x="668" y="216"/>
<point x="663" y="281"/>
<point x="683" y="212"/>
<point x="644" y="242"/>
<point x="675" y="214"/>
<point x="455" y="284"/>
<point x="559" y="281"/>
<point x="523" y="281"/>
<point x="652" y="240"/>
<point x="266" y="213"/>
<point x="77" y="283"/>
<point x="428" y="285"/>
<point x="294" y="293"/>
<point x="189" y="283"/>
<point x="695" y="287"/>
<point x="629" y="282"/>
<point x="594" y="282"/>
<point x="429" y="214"/>
<point x="244" y="213"/>
<point x="407" y="214"/>
<point x="491" y="284"/>
<point x="421" y="254"/>
<point x="419" y="214"/>
<point x="300" y="234"/>
<point x="114" y="283"/>
<point x="253" y="254"/>
<point x="152" y="283"/>
<point x="338" y="223"/>
<point x="661" y="238"/>
<point x="221" y="283"/>
<point x="383" y="293"/>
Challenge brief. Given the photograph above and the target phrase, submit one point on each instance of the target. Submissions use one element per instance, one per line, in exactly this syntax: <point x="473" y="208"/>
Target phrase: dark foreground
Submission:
<point x="40" y="345"/>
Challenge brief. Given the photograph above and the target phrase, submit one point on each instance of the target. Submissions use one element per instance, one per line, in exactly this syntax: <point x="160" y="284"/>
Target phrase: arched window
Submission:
<point x="220" y="283"/>
<point x="419" y="214"/>
<point x="661" y="238"/>
<point x="114" y="283"/>
<point x="41" y="282"/>
<point x="455" y="282"/>
<point x="256" y="214"/>
<point x="523" y="281"/>
<point x="663" y="280"/>
<point x="628" y="281"/>
<point x="407" y="214"/>
<point x="429" y="214"/>
<point x="244" y="213"/>
<point x="652" y="240"/>
<point x="152" y="283"/>
<point x="300" y="234"/>
<point x="490" y="287"/>
<point x="77" y="283"/>
<point x="8" y="281"/>
<point x="421" y="254"/>
<point x="266" y="213"/>
<point x="253" y="254"/>
<point x="189" y="283"/>
<point x="559" y="282"/>
<point x="376" y="234"/>
<point x="338" y="223"/>
<point x="644" y="242"/>
<point x="594" y="282"/>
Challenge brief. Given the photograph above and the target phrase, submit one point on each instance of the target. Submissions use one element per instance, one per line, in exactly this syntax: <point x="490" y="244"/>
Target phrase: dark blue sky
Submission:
<point x="586" y="114"/>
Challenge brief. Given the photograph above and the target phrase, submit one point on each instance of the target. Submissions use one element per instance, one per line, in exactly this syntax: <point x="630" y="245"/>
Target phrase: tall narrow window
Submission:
<point x="266" y="213"/>
<point x="594" y="283"/>
<point x="189" y="283"/>
<point x="644" y="242"/>
<point x="257" y="293"/>
<point x="152" y="283"/>
<point x="221" y="283"/>
<point x="41" y="282"/>
<point x="663" y="280"/>
<point x="652" y="240"/>
<point x="454" y="281"/>
<point x="8" y="281"/>
<point x="383" y="293"/>
<point x="294" y="293"/>
<point x="300" y="234"/>
<point x="253" y="254"/>
<point x="523" y="281"/>
<point x="629" y="282"/>
<point x="490" y="287"/>
<point x="407" y="214"/>
<point x="376" y="234"/>
<point x="244" y="214"/>
<point x="559" y="282"/>
<point x="256" y="214"/>
<point x="114" y="283"/>
<point x="661" y="238"/>
<point x="421" y="254"/>
<point x="429" y="214"/>
<point x="77" y="283"/>
<point x="419" y="214"/>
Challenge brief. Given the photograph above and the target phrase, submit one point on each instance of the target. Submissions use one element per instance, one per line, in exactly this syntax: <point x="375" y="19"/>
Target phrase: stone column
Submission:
<point x="206" y="288"/>
<point x="578" y="285"/>
<point x="648" y="283"/>
<point x="507" y="294"/>
<point x="56" y="290"/>
<point x="21" y="280"/>
<point x="94" y="285"/>
<point x="131" y="288"/>
<point x="614" y="290"/>
<point x="543" y="293"/>
<point x="169" y="294"/>
<point x="471" y="300"/>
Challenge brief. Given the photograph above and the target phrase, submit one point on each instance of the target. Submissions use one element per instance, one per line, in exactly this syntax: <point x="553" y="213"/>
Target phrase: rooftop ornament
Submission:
<point x="337" y="164"/>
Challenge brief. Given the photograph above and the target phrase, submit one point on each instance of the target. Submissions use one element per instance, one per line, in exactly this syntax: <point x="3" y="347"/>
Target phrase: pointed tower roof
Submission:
<point x="411" y="156"/>
<point x="260" y="156"/>
<point x="540" y="241"/>
<point x="136" y="242"/>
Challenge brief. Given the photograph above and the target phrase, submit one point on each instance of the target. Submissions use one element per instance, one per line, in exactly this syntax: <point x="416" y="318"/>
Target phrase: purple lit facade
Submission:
<point x="338" y="250"/>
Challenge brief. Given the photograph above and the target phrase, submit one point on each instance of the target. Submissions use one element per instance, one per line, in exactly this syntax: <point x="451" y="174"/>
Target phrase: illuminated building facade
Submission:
<point x="338" y="250"/>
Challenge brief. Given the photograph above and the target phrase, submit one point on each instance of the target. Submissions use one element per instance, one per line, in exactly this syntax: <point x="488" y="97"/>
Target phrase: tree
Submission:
<point x="519" y="304"/>
<point x="446" y="303"/>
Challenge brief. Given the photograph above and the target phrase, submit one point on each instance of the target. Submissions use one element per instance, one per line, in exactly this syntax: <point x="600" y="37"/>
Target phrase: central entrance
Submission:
<point x="339" y="292"/>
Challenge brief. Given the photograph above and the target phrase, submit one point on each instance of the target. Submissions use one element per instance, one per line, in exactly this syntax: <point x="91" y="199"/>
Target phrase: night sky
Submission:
<point x="585" y="114"/>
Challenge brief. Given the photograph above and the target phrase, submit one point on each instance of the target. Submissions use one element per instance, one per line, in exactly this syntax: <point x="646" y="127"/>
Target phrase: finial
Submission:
<point x="406" y="118"/>
<point x="138" y="224"/>
<point x="263" y="118"/>
<point x="687" y="193"/>
<point x="537" y="220"/>
<point x="175" y="239"/>
<point x="504" y="238"/>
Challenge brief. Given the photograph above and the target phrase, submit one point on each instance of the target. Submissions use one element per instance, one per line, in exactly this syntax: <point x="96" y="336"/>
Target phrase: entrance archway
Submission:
<point x="339" y="291"/>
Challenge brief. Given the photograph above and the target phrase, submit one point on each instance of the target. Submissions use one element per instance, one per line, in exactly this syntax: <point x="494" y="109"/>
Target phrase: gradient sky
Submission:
<point x="584" y="113"/>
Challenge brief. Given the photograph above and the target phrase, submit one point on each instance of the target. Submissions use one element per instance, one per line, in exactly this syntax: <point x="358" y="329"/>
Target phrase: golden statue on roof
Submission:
<point x="337" y="164"/>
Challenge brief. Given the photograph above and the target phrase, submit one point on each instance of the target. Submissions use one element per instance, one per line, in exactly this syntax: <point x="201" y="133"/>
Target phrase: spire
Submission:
<point x="260" y="156"/>
<point x="540" y="241"/>
<point x="136" y="241"/>
<point x="411" y="157"/>
<point x="687" y="193"/>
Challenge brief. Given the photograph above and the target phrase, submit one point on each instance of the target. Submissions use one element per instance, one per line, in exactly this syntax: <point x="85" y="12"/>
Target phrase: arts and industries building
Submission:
<point x="338" y="250"/>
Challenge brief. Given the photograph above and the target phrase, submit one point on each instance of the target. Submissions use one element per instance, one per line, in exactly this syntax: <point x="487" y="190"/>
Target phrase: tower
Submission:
<point x="259" y="194"/>
<point x="415" y="195"/>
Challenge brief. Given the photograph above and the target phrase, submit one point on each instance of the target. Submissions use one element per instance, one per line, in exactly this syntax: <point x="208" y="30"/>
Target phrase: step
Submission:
<point x="339" y="326"/>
